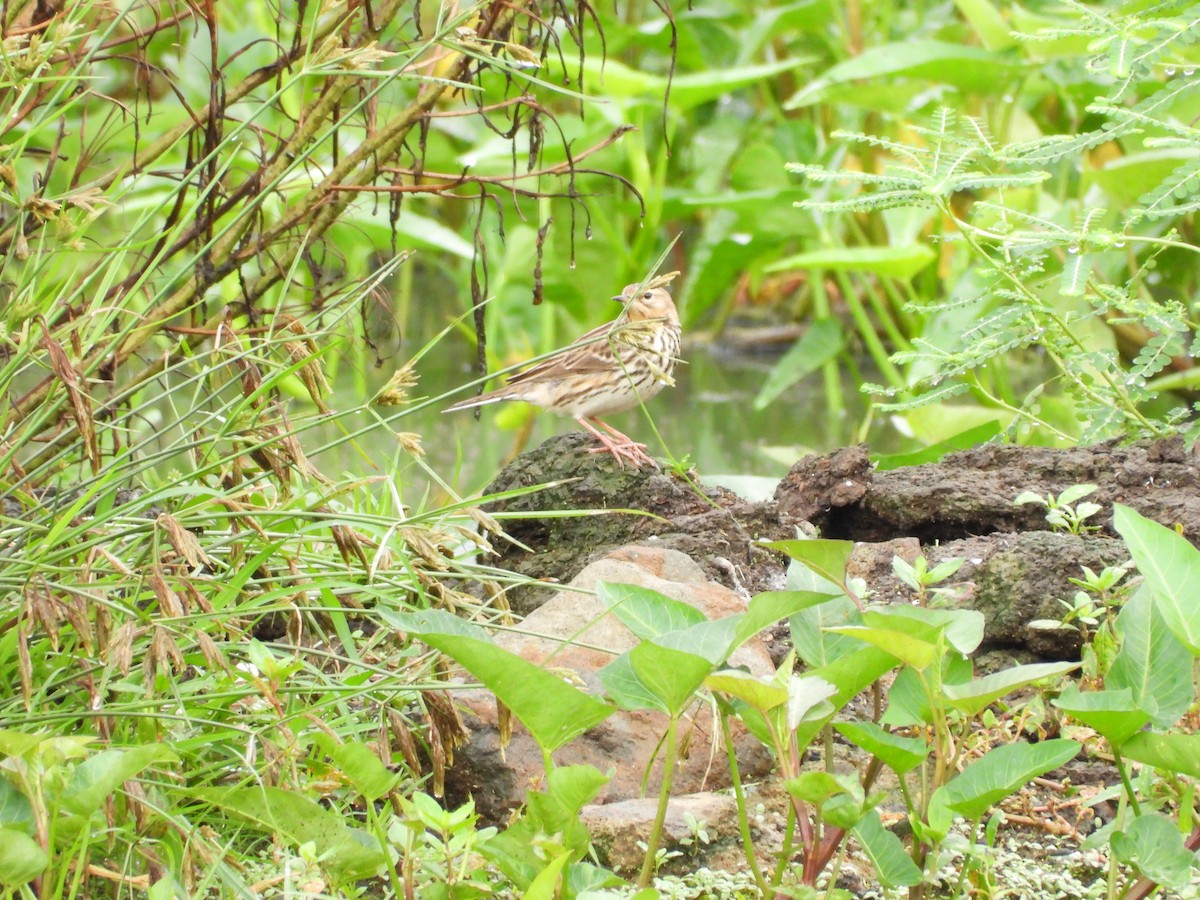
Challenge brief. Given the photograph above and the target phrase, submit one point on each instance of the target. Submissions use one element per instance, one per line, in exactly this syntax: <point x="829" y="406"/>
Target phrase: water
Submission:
<point x="707" y="417"/>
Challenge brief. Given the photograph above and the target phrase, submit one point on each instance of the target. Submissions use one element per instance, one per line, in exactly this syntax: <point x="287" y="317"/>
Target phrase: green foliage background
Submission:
<point x="209" y="214"/>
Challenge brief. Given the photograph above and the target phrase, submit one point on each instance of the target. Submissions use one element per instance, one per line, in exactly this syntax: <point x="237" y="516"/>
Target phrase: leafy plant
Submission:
<point x="1031" y="274"/>
<point x="1065" y="512"/>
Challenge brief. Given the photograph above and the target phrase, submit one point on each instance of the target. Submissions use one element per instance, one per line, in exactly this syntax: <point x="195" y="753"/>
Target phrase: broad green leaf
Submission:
<point x="850" y="675"/>
<point x="817" y="787"/>
<point x="907" y="703"/>
<point x="807" y="695"/>
<point x="972" y="697"/>
<point x="553" y="711"/>
<point x="363" y="767"/>
<point x="1113" y="714"/>
<point x="433" y="621"/>
<point x="15" y="808"/>
<point x="1170" y="565"/>
<point x="762" y="694"/>
<point x="811" y="635"/>
<point x="1151" y="664"/>
<point x="898" y="261"/>
<point x="97" y="777"/>
<point x="546" y="885"/>
<point x="1152" y="844"/>
<point x="298" y="820"/>
<point x="712" y="639"/>
<point x="900" y="754"/>
<point x="970" y="68"/>
<point x="671" y="675"/>
<point x="48" y="749"/>
<point x="21" y="859"/>
<point x="993" y="29"/>
<point x="893" y="865"/>
<point x="624" y="687"/>
<point x="1128" y="176"/>
<point x="964" y="440"/>
<point x="817" y="346"/>
<point x="963" y="627"/>
<point x="998" y="774"/>
<point x="19" y="743"/>
<point x="769" y="607"/>
<point x="918" y="651"/>
<point x="827" y="558"/>
<point x="1179" y="753"/>
<point x="646" y="612"/>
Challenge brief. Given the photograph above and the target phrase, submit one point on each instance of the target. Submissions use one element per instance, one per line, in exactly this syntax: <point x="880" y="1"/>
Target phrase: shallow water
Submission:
<point x="707" y="417"/>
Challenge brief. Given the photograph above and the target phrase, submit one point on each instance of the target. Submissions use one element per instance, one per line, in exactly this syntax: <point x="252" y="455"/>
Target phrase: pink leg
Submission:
<point x="623" y="448"/>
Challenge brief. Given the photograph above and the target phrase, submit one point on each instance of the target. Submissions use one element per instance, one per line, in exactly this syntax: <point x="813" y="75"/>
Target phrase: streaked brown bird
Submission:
<point x="609" y="370"/>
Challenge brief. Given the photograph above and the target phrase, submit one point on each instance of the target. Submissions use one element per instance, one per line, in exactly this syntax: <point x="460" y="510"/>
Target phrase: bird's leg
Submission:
<point x="624" y="447"/>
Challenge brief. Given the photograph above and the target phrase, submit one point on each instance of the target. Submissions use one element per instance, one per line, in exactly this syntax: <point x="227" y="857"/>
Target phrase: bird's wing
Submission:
<point x="591" y="353"/>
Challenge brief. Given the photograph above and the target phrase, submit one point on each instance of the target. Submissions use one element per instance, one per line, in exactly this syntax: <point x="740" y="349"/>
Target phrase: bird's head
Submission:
<point x="647" y="303"/>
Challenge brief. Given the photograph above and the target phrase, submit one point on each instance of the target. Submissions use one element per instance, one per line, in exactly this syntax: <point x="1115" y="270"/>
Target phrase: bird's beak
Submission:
<point x="620" y="298"/>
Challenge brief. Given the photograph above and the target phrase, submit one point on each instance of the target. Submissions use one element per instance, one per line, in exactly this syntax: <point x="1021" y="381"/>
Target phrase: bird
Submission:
<point x="609" y="370"/>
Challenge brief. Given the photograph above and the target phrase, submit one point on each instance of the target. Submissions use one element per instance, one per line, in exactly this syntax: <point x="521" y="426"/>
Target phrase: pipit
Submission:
<point x="609" y="370"/>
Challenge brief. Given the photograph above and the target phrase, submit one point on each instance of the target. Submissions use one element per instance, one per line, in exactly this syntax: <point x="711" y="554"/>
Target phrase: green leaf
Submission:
<point x="99" y="775"/>
<point x="624" y="687"/>
<point x="1170" y="565"/>
<point x="21" y="859"/>
<point x="1179" y="753"/>
<point x="970" y="68"/>
<point x="712" y="639"/>
<point x="769" y="607"/>
<point x="972" y="697"/>
<point x="761" y="693"/>
<point x="818" y="787"/>
<point x="15" y="808"/>
<point x="964" y="440"/>
<point x="807" y="695"/>
<point x="366" y="771"/>
<point x="993" y="29"/>
<point x="850" y="675"/>
<point x="672" y="676"/>
<point x="646" y="612"/>
<point x="1151" y="663"/>
<point x="1152" y="844"/>
<point x="811" y="635"/>
<point x="1113" y="714"/>
<point x="553" y="711"/>
<point x="998" y="774"/>
<point x="893" y="865"/>
<point x="918" y="652"/>
<point x="827" y="558"/>
<point x="900" y="754"/>
<point x="907" y="704"/>
<point x="299" y="820"/>
<point x="894" y="261"/>
<point x="822" y="342"/>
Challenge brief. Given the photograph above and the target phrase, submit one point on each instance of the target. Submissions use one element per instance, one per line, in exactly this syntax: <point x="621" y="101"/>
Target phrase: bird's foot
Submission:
<point x="622" y="448"/>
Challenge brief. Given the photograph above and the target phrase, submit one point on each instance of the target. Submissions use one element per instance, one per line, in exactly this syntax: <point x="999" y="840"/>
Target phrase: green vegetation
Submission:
<point x="216" y="541"/>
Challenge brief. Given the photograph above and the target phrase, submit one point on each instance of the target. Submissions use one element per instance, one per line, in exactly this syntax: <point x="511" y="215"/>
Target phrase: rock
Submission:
<point x="1013" y="579"/>
<point x="699" y="830"/>
<point x="712" y="525"/>
<point x="627" y="740"/>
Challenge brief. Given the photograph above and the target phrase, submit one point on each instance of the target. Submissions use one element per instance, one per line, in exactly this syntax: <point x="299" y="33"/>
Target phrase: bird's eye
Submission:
<point x="647" y="295"/>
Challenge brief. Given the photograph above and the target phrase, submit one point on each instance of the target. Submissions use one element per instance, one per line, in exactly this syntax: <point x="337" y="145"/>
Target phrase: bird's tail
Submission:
<point x="504" y="393"/>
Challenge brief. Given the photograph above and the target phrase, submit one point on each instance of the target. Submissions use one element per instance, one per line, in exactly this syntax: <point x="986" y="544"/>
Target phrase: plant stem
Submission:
<point x="739" y="796"/>
<point x="664" y="797"/>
